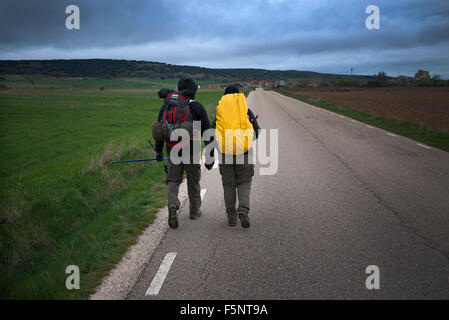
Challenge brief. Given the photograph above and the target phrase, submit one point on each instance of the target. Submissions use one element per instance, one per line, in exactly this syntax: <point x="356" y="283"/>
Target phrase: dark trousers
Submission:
<point x="174" y="179"/>
<point x="236" y="179"/>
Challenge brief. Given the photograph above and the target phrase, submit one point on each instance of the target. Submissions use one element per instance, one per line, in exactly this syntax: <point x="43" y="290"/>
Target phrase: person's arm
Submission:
<point x="212" y="138"/>
<point x="253" y="120"/>
<point x="212" y="149"/>
<point x="200" y="114"/>
<point x="203" y="117"/>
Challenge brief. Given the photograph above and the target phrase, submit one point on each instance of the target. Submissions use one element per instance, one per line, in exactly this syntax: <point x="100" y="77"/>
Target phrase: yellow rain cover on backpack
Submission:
<point x="233" y="131"/>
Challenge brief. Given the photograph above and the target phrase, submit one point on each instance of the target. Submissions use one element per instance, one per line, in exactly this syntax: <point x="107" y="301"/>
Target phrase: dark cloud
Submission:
<point x="103" y="23"/>
<point x="327" y="36"/>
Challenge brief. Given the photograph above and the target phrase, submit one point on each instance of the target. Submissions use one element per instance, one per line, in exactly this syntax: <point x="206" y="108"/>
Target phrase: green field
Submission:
<point x="62" y="201"/>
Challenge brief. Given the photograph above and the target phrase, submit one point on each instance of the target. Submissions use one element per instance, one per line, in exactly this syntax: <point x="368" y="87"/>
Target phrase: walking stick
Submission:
<point x="152" y="146"/>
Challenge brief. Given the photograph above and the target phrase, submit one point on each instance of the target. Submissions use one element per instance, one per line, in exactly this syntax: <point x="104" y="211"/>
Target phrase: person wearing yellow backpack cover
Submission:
<point x="235" y="129"/>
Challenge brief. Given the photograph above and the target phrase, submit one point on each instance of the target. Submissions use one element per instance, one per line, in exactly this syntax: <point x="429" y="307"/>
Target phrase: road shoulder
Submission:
<point x="117" y="284"/>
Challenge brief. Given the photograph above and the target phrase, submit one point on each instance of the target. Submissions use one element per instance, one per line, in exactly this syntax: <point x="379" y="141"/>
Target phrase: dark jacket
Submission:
<point x="198" y="113"/>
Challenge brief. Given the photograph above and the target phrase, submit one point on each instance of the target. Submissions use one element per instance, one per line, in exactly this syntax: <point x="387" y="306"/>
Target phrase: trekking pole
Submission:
<point x="152" y="146"/>
<point x="254" y="120"/>
<point x="138" y="160"/>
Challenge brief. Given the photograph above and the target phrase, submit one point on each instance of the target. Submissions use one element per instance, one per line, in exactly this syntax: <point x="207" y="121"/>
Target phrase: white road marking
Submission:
<point x="203" y="192"/>
<point x="341" y="116"/>
<point x="421" y="145"/>
<point x="161" y="273"/>
<point x="353" y="121"/>
<point x="216" y="161"/>
<point x="390" y="134"/>
<point x="369" y="127"/>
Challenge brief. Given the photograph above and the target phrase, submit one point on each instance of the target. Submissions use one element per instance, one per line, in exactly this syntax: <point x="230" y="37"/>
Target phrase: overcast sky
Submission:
<point x="315" y="35"/>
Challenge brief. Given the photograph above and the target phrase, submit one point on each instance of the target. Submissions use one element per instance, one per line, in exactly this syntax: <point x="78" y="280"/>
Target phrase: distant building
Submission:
<point x="422" y="74"/>
<point x="404" y="80"/>
<point x="266" y="84"/>
<point x="393" y="81"/>
<point x="282" y="83"/>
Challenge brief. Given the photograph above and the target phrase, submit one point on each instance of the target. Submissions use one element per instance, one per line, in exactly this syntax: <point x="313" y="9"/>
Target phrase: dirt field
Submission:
<point x="426" y="107"/>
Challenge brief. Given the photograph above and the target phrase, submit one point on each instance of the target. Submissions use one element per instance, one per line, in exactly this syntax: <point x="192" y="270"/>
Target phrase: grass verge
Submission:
<point x="417" y="132"/>
<point x="62" y="202"/>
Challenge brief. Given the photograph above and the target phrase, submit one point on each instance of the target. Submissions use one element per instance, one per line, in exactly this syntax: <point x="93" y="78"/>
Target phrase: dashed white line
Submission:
<point x="369" y="127"/>
<point x="216" y="161"/>
<point x="161" y="273"/>
<point x="203" y="192"/>
<point x="390" y="134"/>
<point x="341" y="116"/>
<point x="353" y="121"/>
<point x="421" y="145"/>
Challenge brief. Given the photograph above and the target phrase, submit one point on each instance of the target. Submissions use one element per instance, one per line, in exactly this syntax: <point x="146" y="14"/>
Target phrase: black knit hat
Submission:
<point x="187" y="83"/>
<point x="231" y="89"/>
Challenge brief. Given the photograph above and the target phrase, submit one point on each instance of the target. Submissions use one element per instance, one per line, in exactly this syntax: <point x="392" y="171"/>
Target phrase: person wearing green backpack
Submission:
<point x="235" y="129"/>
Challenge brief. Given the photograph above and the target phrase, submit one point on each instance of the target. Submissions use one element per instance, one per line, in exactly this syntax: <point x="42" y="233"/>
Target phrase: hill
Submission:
<point x="107" y="68"/>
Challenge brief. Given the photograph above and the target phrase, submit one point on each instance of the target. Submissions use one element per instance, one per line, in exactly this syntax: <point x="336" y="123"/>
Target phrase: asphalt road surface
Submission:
<point x="345" y="196"/>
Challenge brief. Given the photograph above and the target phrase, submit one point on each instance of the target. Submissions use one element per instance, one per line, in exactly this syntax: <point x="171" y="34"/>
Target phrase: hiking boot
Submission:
<point x="173" y="216"/>
<point x="243" y="216"/>
<point x="195" y="215"/>
<point x="232" y="218"/>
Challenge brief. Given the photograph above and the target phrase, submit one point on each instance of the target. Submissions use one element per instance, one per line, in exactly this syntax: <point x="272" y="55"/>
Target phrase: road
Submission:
<point x="345" y="196"/>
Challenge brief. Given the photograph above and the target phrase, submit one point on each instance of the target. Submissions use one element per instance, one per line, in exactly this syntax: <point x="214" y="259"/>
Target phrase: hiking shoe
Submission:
<point x="243" y="216"/>
<point x="232" y="218"/>
<point x="195" y="215"/>
<point x="173" y="216"/>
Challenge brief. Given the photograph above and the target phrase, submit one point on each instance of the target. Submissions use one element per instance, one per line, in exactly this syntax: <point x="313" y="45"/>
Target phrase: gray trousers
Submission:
<point x="236" y="179"/>
<point x="174" y="179"/>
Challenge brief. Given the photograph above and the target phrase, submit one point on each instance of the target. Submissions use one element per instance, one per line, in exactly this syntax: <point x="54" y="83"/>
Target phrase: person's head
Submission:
<point x="188" y="86"/>
<point x="231" y="89"/>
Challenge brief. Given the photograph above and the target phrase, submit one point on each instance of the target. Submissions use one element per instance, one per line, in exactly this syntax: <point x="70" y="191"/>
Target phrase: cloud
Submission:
<point x="326" y="36"/>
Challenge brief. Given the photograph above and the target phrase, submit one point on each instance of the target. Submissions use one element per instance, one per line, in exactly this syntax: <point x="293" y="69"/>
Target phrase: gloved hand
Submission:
<point x="159" y="156"/>
<point x="209" y="166"/>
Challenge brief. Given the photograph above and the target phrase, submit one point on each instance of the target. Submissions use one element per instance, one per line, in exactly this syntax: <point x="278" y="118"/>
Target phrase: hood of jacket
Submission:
<point x="187" y="87"/>
<point x="188" y="93"/>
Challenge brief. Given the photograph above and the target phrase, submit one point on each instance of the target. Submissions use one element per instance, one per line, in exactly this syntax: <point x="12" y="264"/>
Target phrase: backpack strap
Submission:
<point x="192" y="111"/>
<point x="185" y="116"/>
<point x="174" y="115"/>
